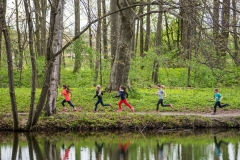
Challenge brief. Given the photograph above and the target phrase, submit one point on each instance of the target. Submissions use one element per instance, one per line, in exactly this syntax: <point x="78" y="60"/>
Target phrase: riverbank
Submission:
<point x="138" y="121"/>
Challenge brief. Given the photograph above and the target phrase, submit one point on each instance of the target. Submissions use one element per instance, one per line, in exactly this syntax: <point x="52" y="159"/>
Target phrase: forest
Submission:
<point x="137" y="43"/>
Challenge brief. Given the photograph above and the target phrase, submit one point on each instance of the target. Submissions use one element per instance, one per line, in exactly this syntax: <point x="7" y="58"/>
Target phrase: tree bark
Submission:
<point x="33" y="64"/>
<point x="90" y="36"/>
<point x="158" y="43"/>
<point x="148" y="28"/>
<point x="20" y="46"/>
<point x="10" y="65"/>
<point x="141" y="32"/>
<point x="50" y="107"/>
<point x="105" y="27"/>
<point x="77" y="43"/>
<point x="98" y="44"/>
<point x="43" y="27"/>
<point x="235" y="35"/>
<point x="38" y="27"/>
<point x="121" y="66"/>
<point x="114" y="29"/>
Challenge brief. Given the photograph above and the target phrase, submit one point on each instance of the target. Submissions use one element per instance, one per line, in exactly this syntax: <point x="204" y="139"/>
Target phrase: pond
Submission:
<point x="171" y="145"/>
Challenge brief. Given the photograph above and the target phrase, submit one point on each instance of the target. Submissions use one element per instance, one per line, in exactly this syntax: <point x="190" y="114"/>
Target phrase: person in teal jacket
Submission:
<point x="218" y="97"/>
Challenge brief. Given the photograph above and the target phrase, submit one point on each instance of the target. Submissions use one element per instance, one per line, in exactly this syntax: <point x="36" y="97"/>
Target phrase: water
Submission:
<point x="172" y="145"/>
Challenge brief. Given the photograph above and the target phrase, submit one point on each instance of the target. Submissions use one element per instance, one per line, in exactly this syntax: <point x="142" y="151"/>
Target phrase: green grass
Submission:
<point x="142" y="99"/>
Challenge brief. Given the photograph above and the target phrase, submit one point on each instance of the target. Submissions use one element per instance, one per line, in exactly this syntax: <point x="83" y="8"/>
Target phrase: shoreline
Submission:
<point x="138" y="121"/>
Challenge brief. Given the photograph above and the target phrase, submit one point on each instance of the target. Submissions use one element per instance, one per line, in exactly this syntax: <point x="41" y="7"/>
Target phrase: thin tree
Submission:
<point x="114" y="18"/>
<point x="148" y="28"/>
<point x="33" y="64"/>
<point x="104" y="28"/>
<point x="77" y="44"/>
<point x="10" y="64"/>
<point x="98" y="43"/>
<point x="158" y="43"/>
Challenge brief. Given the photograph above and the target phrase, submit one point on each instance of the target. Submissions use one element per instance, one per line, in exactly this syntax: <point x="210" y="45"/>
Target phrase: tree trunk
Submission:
<point x="114" y="29"/>
<point x="20" y="46"/>
<point x="38" y="27"/>
<point x="167" y="34"/>
<point x="141" y="32"/>
<point x="188" y="27"/>
<point x="158" y="43"/>
<point x="224" y="32"/>
<point x="50" y="107"/>
<point x="235" y="35"/>
<point x="90" y="36"/>
<point x="121" y="65"/>
<point x="43" y="27"/>
<point x="98" y="43"/>
<point x="216" y="24"/>
<point x="77" y="43"/>
<point x="1" y="29"/>
<point x="104" y="26"/>
<point x="10" y="65"/>
<point x="34" y="70"/>
<point x="148" y="28"/>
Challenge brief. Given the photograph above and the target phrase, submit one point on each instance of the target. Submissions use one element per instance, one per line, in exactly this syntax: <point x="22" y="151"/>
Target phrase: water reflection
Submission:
<point x="112" y="146"/>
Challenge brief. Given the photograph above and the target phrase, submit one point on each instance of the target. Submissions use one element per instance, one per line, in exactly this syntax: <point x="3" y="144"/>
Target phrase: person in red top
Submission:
<point x="65" y="92"/>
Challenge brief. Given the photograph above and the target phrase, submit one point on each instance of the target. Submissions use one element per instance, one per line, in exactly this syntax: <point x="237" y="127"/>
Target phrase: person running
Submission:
<point x="99" y="94"/>
<point x="161" y="94"/>
<point x="66" y="93"/>
<point x="122" y="93"/>
<point x="217" y="97"/>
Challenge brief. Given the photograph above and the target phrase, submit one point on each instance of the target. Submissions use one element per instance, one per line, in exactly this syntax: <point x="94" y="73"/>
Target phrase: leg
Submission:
<point x="127" y="104"/>
<point x="215" y="106"/>
<point x="164" y="105"/>
<point x="70" y="103"/>
<point x="96" y="104"/>
<point x="64" y="108"/>
<point x="224" y="105"/>
<point x="120" y="105"/>
<point x="63" y="102"/>
<point x="101" y="101"/>
<point x="159" y="101"/>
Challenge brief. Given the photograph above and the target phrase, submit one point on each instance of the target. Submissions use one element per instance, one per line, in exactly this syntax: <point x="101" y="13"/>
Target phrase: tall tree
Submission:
<point x="43" y="22"/>
<point x="141" y="29"/>
<point x="33" y="64"/>
<point x="38" y="26"/>
<point x="215" y="18"/>
<point x="55" y="46"/>
<point x="121" y="65"/>
<point x="158" y="43"/>
<point x="77" y="43"/>
<point x="148" y="28"/>
<point x="104" y="28"/>
<point x="224" y="32"/>
<point x="90" y="34"/>
<point x="114" y="18"/>
<point x="10" y="64"/>
<point x="235" y="34"/>
<point x="98" y="43"/>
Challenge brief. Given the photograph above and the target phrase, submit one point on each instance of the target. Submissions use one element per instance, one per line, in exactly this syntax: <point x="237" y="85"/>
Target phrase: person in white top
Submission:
<point x="161" y="94"/>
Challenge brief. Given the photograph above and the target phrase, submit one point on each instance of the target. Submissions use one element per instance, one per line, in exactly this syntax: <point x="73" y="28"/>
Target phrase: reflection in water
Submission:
<point x="99" y="150"/>
<point x="218" y="152"/>
<point x="66" y="151"/>
<point x="160" y="148"/>
<point x="111" y="146"/>
<point x="123" y="150"/>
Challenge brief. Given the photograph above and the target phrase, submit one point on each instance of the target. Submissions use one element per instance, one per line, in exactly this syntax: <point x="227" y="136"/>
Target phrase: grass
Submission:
<point x="142" y="99"/>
